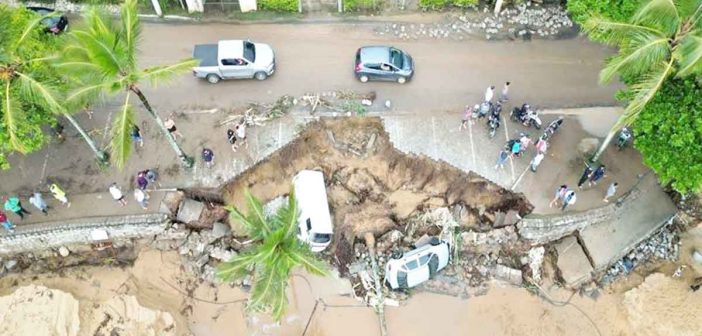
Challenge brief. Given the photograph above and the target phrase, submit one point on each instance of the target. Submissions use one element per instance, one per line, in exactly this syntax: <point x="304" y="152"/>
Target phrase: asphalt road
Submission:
<point x="319" y="57"/>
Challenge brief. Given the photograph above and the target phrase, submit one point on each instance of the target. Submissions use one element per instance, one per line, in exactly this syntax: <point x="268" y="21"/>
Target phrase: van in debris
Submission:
<point x="314" y="222"/>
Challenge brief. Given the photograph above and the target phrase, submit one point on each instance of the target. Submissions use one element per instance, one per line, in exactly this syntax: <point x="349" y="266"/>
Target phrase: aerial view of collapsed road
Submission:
<point x="350" y="167"/>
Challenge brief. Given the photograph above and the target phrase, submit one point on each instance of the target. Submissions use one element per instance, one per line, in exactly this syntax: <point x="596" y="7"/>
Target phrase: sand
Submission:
<point x="150" y="298"/>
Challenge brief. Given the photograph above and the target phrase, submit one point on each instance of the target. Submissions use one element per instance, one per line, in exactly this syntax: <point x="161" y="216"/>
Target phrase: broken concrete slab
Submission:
<point x="608" y="241"/>
<point x="220" y="230"/>
<point x="511" y="275"/>
<point x="572" y="262"/>
<point x="190" y="211"/>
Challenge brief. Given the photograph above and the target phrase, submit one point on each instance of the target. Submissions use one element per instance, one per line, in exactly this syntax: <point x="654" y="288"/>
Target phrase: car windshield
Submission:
<point x="321" y="238"/>
<point x="249" y="51"/>
<point x="411" y="265"/>
<point x="424" y="259"/>
<point x="397" y="58"/>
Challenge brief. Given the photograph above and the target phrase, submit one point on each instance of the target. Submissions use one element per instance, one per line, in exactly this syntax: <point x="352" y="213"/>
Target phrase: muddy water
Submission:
<point x="157" y="282"/>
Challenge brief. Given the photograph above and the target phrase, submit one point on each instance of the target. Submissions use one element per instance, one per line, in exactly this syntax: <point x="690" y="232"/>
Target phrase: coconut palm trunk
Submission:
<point x="605" y="143"/>
<point x="186" y="160"/>
<point x="102" y="157"/>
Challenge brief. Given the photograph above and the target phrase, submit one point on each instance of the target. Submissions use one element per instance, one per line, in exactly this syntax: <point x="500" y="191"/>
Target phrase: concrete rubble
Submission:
<point x="522" y="21"/>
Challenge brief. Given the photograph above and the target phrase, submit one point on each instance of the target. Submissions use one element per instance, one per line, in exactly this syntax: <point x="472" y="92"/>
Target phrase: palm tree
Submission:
<point x="28" y="81"/>
<point x="270" y="261"/>
<point x="663" y="39"/>
<point x="103" y="54"/>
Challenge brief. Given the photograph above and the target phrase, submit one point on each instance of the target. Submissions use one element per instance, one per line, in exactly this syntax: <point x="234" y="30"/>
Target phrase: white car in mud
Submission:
<point x="409" y="269"/>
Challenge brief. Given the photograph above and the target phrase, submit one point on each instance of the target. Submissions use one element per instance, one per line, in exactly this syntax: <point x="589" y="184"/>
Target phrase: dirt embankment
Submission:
<point x="371" y="186"/>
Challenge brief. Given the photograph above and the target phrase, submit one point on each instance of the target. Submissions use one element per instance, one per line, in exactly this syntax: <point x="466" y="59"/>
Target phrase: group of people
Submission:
<point x="141" y="194"/>
<point x="236" y="137"/>
<point x="566" y="196"/>
<point x="14" y="205"/>
<point x="471" y="112"/>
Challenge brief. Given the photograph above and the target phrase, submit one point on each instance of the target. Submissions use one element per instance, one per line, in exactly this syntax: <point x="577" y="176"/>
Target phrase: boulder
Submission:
<point x="220" y="230"/>
<point x="63" y="251"/>
<point x="190" y="211"/>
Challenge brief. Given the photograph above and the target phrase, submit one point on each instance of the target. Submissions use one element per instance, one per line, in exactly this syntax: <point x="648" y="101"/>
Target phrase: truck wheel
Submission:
<point x="260" y="75"/>
<point x="434" y="241"/>
<point x="212" y="78"/>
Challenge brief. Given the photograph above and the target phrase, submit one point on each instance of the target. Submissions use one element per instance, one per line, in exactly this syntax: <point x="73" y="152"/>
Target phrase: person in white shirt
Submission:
<point x="489" y="93"/>
<point x="141" y="197"/>
<point x="241" y="134"/>
<point x="117" y="194"/>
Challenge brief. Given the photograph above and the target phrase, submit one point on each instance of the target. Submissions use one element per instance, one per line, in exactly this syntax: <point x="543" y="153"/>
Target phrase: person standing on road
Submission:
<point x="467" y="114"/>
<point x="136" y="136"/>
<point x="516" y="147"/>
<point x="117" y="194"/>
<point x="597" y="175"/>
<point x="141" y="197"/>
<point x="541" y="145"/>
<point x="141" y="180"/>
<point x="59" y="194"/>
<point x="536" y="161"/>
<point x="611" y="190"/>
<point x="152" y="177"/>
<point x="524" y="142"/>
<point x="504" y="95"/>
<point x="585" y="176"/>
<point x="208" y="157"/>
<point x="241" y="134"/>
<point x="38" y="202"/>
<point x="560" y="193"/>
<point x="13" y="204"/>
<point x="568" y="199"/>
<point x="6" y="223"/>
<point x="231" y="138"/>
<point x="171" y="127"/>
<point x="489" y="93"/>
<point x="502" y="159"/>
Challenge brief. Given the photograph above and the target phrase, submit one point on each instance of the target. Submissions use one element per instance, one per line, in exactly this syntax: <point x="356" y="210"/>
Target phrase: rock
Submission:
<point x="423" y="240"/>
<point x="588" y="146"/>
<point x="697" y="256"/>
<point x="190" y="211"/>
<point x="536" y="258"/>
<point x="220" y="230"/>
<point x="222" y="254"/>
<point x="513" y="276"/>
<point x="393" y="236"/>
<point x="63" y="251"/>
<point x="10" y="264"/>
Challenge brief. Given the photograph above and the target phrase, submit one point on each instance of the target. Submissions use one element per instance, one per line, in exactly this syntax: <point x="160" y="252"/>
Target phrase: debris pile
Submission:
<point x="663" y="245"/>
<point x="523" y="21"/>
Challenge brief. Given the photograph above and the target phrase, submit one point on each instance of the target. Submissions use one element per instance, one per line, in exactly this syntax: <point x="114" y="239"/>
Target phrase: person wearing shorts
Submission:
<point x="231" y="137"/>
<point x="171" y="127"/>
<point x="136" y="136"/>
<point x="241" y="134"/>
<point x="117" y="194"/>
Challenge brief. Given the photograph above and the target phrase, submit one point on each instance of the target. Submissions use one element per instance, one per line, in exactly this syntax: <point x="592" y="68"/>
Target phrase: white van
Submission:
<point x="314" y="223"/>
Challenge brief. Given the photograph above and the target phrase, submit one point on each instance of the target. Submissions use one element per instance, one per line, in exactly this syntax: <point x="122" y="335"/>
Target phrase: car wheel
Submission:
<point x="261" y="75"/>
<point x="212" y="78"/>
<point x="434" y="241"/>
<point x="363" y="79"/>
<point x="401" y="80"/>
<point x="396" y="255"/>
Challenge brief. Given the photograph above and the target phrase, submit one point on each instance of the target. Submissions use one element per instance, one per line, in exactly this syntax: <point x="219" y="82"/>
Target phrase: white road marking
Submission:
<point x="519" y="179"/>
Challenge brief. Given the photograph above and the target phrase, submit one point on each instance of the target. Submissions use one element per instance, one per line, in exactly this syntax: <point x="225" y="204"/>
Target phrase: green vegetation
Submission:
<point x="102" y="58"/>
<point x="443" y="4"/>
<point x="618" y="10"/>
<point x="278" y="5"/>
<point x="668" y="133"/>
<point x="661" y="40"/>
<point x="363" y="5"/>
<point x="277" y="251"/>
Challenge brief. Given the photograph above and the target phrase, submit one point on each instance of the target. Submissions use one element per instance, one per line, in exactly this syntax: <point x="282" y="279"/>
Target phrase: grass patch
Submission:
<point x="264" y="15"/>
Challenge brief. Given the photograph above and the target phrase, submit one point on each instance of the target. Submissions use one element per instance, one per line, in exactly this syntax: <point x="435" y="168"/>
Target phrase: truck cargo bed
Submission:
<point x="206" y="53"/>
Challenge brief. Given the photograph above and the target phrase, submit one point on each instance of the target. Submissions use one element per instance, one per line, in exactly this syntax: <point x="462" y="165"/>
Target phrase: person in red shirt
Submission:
<point x="6" y="222"/>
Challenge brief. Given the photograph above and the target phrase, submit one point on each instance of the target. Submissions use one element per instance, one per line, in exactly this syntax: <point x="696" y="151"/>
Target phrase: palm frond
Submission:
<point x="159" y="74"/>
<point x="641" y="54"/>
<point x="100" y="53"/>
<point x="256" y="216"/>
<point x="270" y="287"/>
<point x="131" y="30"/>
<point x="86" y="93"/>
<point x="121" y="139"/>
<point x="303" y="256"/>
<point x="662" y="14"/>
<point x="41" y="94"/>
<point x="617" y="33"/>
<point x="28" y="30"/>
<point x="643" y="92"/>
<point x="12" y="117"/>
<point x="287" y="216"/>
<point x="238" y="267"/>
<point x="689" y="55"/>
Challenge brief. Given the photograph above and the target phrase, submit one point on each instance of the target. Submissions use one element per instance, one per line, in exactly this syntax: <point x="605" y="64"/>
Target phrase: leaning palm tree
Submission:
<point x="30" y="83"/>
<point x="103" y="55"/>
<point x="277" y="251"/>
<point x="663" y="39"/>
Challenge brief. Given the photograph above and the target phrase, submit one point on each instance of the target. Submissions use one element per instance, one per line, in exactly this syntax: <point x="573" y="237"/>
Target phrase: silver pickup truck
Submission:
<point x="234" y="59"/>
